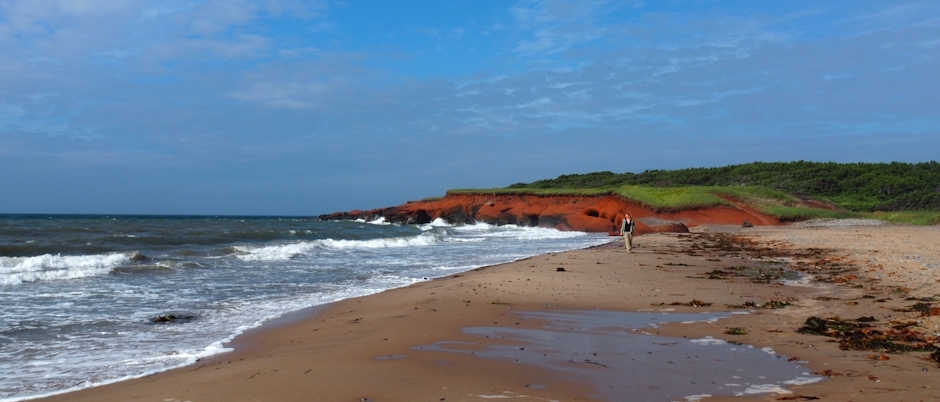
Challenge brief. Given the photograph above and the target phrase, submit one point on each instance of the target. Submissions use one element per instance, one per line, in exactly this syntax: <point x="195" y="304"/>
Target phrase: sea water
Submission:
<point x="80" y="296"/>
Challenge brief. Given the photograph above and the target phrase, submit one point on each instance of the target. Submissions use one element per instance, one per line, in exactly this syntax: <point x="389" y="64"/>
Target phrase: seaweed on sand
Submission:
<point x="832" y="327"/>
<point x="861" y="336"/>
<point x="770" y="305"/>
<point x="925" y="309"/>
<point x="935" y="356"/>
<point x="775" y="304"/>
<point x="717" y="274"/>
<point x="693" y="303"/>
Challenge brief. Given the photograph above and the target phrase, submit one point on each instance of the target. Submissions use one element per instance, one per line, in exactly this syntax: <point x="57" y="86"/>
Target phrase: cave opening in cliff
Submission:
<point x="593" y="213"/>
<point x="421" y="217"/>
<point x="533" y="220"/>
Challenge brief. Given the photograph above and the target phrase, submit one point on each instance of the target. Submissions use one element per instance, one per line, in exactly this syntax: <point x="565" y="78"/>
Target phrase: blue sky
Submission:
<point x="291" y="107"/>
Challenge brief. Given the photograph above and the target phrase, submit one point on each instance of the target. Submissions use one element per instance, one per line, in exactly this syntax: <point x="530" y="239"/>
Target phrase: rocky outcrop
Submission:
<point x="582" y="213"/>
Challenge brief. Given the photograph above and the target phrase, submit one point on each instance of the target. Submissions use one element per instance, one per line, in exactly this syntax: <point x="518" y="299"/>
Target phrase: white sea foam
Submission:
<point x="518" y="232"/>
<point x="16" y="270"/>
<point x="275" y="253"/>
<point x="709" y="341"/>
<point x="285" y="252"/>
<point x="437" y="223"/>
<point x="803" y="380"/>
<point x="424" y="239"/>
<point x="754" y="389"/>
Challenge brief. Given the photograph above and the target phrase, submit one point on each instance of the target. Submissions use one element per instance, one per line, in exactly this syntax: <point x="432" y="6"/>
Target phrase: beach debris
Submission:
<point x="172" y="319"/>
<point x="935" y="356"/>
<point x="498" y="302"/>
<point x="827" y="373"/>
<point x="775" y="304"/>
<point x="879" y="357"/>
<point x="559" y="269"/>
<point x="767" y="275"/>
<point x="838" y="279"/>
<point x="901" y="325"/>
<point x="764" y="275"/>
<point x="693" y="303"/>
<point x="925" y="309"/>
<point x="715" y="274"/>
<point x="747" y="224"/>
<point x="797" y="398"/>
<point x="861" y="336"/>
<point x="736" y="331"/>
<point x="768" y="305"/>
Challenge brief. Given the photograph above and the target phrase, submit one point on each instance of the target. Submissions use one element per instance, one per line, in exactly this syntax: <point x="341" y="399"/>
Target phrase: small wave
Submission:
<point x="467" y="240"/>
<point x="437" y="223"/>
<point x="515" y="231"/>
<point x="424" y="239"/>
<point x="379" y="221"/>
<point x="47" y="267"/>
<point x="274" y="253"/>
<point x="285" y="252"/>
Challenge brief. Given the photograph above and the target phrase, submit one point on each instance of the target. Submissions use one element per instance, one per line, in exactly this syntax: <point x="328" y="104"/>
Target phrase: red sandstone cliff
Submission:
<point x="582" y="213"/>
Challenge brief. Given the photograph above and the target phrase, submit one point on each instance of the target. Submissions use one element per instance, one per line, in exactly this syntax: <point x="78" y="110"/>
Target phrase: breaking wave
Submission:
<point x="288" y="251"/>
<point x="48" y="267"/>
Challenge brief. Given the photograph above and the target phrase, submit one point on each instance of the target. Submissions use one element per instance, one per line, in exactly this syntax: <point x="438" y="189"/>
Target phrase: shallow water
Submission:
<point x="609" y="350"/>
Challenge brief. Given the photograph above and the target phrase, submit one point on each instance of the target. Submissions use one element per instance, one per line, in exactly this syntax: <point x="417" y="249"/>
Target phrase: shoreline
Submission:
<point x="332" y="355"/>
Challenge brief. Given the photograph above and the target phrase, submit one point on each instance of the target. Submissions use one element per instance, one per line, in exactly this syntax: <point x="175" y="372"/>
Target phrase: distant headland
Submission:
<point x="757" y="193"/>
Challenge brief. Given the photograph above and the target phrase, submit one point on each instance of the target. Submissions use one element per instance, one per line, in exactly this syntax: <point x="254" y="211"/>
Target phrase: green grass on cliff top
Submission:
<point x="662" y="199"/>
<point x="895" y="192"/>
<point x="670" y="199"/>
<point x="769" y="201"/>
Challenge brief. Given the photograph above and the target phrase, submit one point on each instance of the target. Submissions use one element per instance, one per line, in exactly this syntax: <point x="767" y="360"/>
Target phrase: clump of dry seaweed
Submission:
<point x="861" y="336"/>
<point x="770" y="304"/>
<point x="693" y="303"/>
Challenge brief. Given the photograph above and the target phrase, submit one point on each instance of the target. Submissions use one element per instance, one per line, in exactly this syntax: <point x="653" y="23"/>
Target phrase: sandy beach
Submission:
<point x="434" y="341"/>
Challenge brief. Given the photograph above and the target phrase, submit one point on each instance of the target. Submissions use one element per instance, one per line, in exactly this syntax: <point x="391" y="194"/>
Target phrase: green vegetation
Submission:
<point x="910" y="217"/>
<point x="666" y="199"/>
<point x="857" y="187"/>
<point x="903" y="192"/>
<point x="736" y="331"/>
<point x="672" y="198"/>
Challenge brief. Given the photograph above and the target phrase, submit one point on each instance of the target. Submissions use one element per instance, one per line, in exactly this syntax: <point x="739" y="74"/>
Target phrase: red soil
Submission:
<point x="581" y="213"/>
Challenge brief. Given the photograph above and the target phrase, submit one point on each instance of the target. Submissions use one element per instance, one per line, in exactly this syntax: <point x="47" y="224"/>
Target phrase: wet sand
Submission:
<point x="459" y="338"/>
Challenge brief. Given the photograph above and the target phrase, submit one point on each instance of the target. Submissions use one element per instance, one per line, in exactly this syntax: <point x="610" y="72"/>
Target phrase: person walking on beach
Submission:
<point x="626" y="229"/>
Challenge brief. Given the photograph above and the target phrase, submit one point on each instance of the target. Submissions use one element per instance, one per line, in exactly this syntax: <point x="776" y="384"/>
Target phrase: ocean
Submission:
<point x="90" y="300"/>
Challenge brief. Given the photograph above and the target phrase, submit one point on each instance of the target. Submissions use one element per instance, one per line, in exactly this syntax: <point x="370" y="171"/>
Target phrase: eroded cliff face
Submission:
<point x="581" y="213"/>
